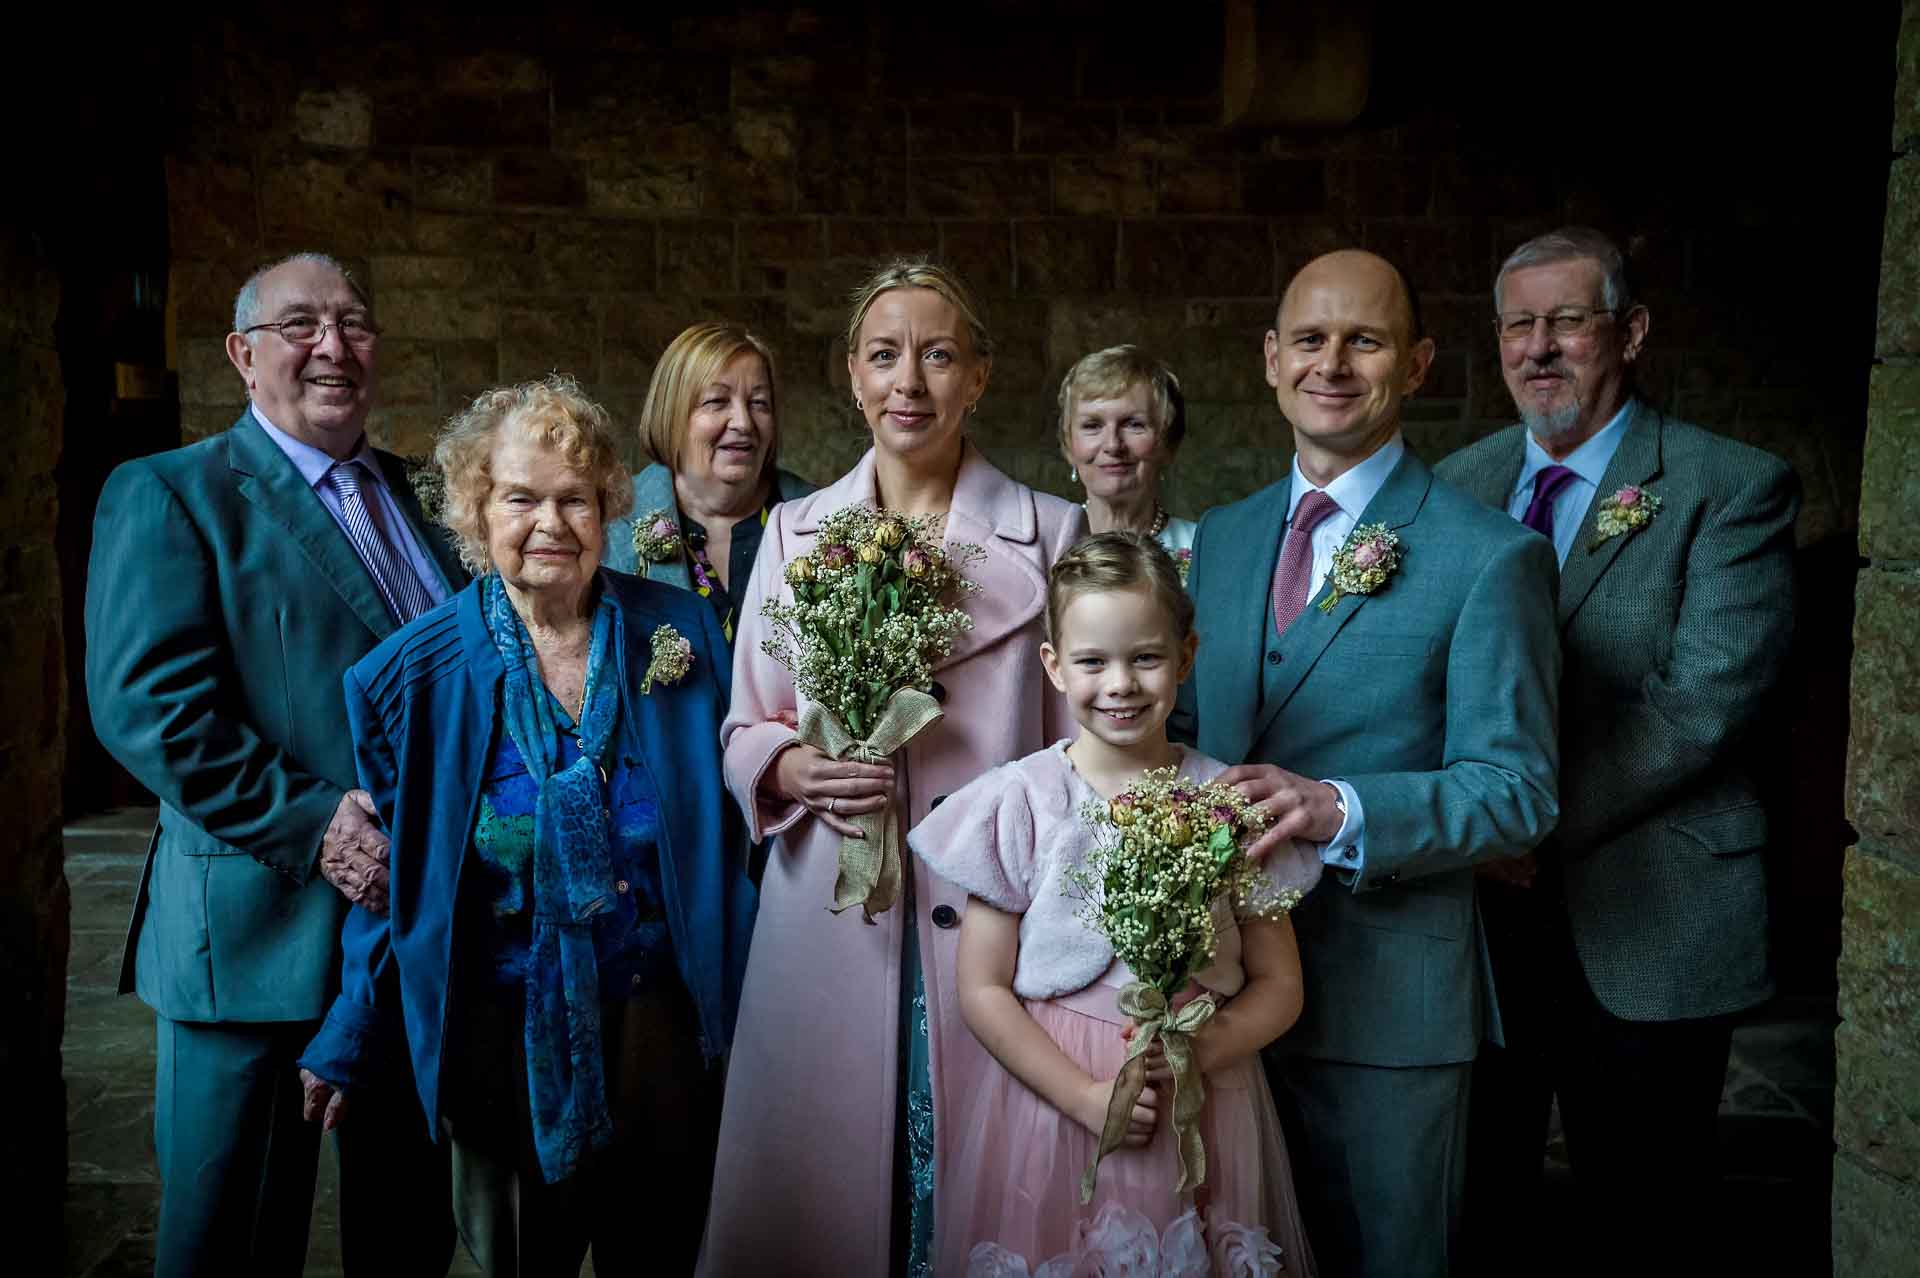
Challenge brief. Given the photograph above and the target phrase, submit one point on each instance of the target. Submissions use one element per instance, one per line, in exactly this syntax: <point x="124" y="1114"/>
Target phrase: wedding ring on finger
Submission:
<point x="830" y="802"/>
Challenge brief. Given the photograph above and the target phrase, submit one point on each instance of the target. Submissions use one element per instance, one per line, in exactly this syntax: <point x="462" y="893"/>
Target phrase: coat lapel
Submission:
<point x="1233" y="619"/>
<point x="652" y="491"/>
<point x="269" y="480"/>
<point x="1492" y="482"/>
<point x="437" y="539"/>
<point x="1396" y="505"/>
<point x="1636" y="461"/>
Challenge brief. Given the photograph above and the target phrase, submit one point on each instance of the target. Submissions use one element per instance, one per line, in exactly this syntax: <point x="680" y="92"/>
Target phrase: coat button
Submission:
<point x="938" y="691"/>
<point x="639" y="983"/>
<point x="1273" y="658"/>
<point x="936" y="801"/>
<point x="622" y="886"/>
<point x="945" y="916"/>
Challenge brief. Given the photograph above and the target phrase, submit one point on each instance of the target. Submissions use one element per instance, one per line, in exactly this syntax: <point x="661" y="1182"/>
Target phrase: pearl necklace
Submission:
<point x="1160" y="517"/>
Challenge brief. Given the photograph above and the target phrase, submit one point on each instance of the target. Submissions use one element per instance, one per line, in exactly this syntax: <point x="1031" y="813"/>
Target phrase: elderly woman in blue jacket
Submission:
<point x="569" y="912"/>
<point x="711" y="425"/>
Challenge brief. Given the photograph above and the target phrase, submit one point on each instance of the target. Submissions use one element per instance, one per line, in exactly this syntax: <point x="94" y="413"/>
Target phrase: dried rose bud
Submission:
<point x="1367" y="554"/>
<point x="663" y="527"/>
<point x="1628" y="496"/>
<point x="1121" y="810"/>
<point x="800" y="570"/>
<point x="871" y="554"/>
<point x="889" y="534"/>
<point x="1176" y="830"/>
<point x="836" y="556"/>
<point x="918" y="562"/>
<point x="1222" y="815"/>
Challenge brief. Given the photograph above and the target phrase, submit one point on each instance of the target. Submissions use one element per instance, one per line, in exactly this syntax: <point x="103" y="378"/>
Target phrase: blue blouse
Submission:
<point x="630" y="937"/>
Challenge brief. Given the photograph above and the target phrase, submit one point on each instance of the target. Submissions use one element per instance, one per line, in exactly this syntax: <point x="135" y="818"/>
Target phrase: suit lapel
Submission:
<point x="1395" y="505"/>
<point x="1636" y="461"/>
<point x="434" y="537"/>
<point x="270" y="481"/>
<point x="1492" y="483"/>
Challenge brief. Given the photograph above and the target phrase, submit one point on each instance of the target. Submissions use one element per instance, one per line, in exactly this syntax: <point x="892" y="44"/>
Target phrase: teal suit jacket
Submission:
<point x="223" y="606"/>
<point x="1435" y="699"/>
<point x="1674" y="635"/>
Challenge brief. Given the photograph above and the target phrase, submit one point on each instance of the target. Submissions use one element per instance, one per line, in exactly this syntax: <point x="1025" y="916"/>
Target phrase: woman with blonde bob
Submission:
<point x="711" y="426"/>
<point x="1122" y="418"/>
<point x="569" y="910"/>
<point x="851" y="1045"/>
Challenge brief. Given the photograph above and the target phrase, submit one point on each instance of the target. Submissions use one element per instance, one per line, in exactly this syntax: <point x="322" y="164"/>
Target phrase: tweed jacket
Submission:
<point x="223" y="604"/>
<point x="1434" y="698"/>
<point x="1674" y="635"/>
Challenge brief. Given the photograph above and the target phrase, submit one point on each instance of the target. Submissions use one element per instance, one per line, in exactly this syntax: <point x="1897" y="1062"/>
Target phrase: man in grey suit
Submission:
<point x="1624" y="947"/>
<point x="231" y="583"/>
<point x="1402" y="717"/>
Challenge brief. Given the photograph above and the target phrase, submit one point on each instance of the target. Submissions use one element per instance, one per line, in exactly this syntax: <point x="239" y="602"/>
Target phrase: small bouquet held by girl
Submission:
<point x="872" y="616"/>
<point x="1167" y="854"/>
<point x="1123" y="962"/>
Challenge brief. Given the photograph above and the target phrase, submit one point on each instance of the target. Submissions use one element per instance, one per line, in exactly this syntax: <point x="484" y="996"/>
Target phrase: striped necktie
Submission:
<point x="406" y="596"/>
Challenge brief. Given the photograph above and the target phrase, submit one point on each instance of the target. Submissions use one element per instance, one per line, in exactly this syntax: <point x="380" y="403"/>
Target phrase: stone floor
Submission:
<point x="1776" y="1116"/>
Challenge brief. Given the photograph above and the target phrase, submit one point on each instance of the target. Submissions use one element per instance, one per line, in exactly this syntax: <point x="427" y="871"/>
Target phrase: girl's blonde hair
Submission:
<point x="1118" y="560"/>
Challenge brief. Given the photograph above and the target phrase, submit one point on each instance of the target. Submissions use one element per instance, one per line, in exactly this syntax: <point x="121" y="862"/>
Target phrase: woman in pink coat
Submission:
<point x="850" y="1043"/>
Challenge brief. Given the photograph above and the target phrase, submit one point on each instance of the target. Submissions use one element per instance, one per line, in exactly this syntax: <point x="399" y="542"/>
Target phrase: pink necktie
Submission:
<point x="1295" y="571"/>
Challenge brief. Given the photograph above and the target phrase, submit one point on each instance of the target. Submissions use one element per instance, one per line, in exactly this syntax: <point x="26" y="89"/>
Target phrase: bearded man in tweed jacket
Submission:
<point x="1625" y="946"/>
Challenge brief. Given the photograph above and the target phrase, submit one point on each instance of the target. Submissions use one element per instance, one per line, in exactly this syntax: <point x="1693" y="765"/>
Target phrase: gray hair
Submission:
<point x="246" y="303"/>
<point x="1570" y="244"/>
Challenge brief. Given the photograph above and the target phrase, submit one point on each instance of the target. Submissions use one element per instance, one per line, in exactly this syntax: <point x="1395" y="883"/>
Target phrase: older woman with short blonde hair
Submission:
<point x="570" y="909"/>
<point x="710" y="424"/>
<point x="1122" y="418"/>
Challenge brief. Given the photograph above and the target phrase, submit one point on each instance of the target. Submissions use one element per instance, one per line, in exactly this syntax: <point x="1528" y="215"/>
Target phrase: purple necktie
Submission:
<point x="399" y="585"/>
<point x="1547" y="483"/>
<point x="1295" y="571"/>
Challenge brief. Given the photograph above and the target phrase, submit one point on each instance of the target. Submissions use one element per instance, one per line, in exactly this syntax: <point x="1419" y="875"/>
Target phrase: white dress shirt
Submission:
<point x="1352" y="491"/>
<point x="1589" y="466"/>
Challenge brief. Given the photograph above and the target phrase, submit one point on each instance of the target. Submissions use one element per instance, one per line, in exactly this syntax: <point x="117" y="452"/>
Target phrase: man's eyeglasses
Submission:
<point x="307" y="330"/>
<point x="1568" y="321"/>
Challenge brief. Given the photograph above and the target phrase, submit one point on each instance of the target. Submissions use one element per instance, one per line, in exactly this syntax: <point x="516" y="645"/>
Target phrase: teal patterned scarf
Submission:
<point x="572" y="882"/>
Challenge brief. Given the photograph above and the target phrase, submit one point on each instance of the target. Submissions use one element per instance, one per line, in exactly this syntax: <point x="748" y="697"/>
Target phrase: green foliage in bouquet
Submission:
<point x="872" y="612"/>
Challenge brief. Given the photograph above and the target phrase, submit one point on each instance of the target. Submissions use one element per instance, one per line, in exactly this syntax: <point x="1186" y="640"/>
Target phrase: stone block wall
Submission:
<point x="568" y="190"/>
<point x="33" y="703"/>
<point x="1876" y="1175"/>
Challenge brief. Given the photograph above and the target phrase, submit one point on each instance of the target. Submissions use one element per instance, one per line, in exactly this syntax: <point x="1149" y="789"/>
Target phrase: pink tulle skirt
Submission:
<point x="1014" y="1178"/>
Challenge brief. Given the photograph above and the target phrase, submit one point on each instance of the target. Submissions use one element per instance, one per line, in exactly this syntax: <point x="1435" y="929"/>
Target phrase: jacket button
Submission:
<point x="1273" y="658"/>
<point x="639" y="983"/>
<point x="936" y="801"/>
<point x="945" y="916"/>
<point x="622" y="886"/>
<point x="938" y="691"/>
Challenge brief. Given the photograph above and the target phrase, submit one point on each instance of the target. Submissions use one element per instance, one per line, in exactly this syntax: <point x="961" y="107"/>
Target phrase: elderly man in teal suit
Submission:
<point x="1377" y="650"/>
<point x="1625" y="946"/>
<point x="231" y="583"/>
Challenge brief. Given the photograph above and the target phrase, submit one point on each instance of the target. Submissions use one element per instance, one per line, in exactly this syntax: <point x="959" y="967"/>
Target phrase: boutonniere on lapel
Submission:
<point x="1361" y="566"/>
<point x="429" y="487"/>
<point x="1628" y="510"/>
<point x="672" y="658"/>
<point x="656" y="537"/>
<point x="1183" y="560"/>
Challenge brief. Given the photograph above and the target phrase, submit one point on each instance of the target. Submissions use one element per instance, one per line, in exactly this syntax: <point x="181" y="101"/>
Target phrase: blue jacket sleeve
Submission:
<point x="361" y="1028"/>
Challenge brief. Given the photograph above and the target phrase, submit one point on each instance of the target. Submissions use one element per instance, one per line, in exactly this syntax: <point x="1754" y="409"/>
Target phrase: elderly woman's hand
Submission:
<point x="321" y="1100"/>
<point x="832" y="790"/>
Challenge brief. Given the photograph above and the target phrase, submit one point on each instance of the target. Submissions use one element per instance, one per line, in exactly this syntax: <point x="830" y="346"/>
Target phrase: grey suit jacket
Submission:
<point x="1434" y="698"/>
<point x="223" y="605"/>
<point x="1674" y="635"/>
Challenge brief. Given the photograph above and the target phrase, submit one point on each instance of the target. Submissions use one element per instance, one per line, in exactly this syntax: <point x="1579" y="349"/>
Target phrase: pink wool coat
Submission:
<point x="804" y="1183"/>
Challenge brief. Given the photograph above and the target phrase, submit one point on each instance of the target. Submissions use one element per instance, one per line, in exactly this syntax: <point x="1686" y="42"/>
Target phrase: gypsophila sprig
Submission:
<point x="1165" y="851"/>
<point x="1361" y="566"/>
<point x="872" y="612"/>
<point x="671" y="659"/>
<point x="656" y="537"/>
<point x="1627" y="510"/>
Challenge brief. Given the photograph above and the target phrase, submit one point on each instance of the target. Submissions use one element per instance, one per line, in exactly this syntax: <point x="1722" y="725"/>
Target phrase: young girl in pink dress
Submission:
<point x="1038" y="987"/>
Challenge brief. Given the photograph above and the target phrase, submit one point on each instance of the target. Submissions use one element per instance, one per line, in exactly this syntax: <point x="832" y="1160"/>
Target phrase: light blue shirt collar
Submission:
<point x="1352" y="490"/>
<point x="1589" y="461"/>
<point x="313" y="463"/>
